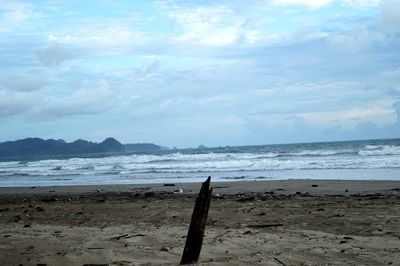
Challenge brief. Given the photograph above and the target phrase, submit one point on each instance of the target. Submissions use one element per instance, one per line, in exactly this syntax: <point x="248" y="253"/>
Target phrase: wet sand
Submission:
<point x="295" y="222"/>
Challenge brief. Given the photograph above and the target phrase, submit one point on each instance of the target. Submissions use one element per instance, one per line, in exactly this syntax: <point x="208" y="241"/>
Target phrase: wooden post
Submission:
<point x="197" y="226"/>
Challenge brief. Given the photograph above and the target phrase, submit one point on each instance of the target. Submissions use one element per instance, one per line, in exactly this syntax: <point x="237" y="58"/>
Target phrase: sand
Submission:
<point x="295" y="222"/>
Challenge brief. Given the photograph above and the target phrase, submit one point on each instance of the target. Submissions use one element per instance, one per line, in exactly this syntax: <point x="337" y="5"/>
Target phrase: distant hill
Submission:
<point x="110" y="145"/>
<point x="39" y="147"/>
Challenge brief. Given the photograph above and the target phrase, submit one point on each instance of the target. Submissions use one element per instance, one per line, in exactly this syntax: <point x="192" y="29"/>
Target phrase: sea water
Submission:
<point x="351" y="160"/>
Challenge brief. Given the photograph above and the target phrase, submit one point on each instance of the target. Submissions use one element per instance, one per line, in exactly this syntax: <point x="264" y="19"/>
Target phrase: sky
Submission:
<point x="212" y="72"/>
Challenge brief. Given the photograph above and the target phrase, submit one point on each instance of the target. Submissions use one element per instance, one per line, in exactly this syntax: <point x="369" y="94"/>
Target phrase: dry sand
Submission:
<point x="295" y="222"/>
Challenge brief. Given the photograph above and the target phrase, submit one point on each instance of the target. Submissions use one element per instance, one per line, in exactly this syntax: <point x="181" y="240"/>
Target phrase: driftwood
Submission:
<point x="197" y="226"/>
<point x="280" y="262"/>
<point x="119" y="237"/>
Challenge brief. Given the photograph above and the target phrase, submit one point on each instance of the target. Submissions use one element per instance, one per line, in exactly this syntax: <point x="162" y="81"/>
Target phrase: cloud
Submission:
<point x="85" y="101"/>
<point x="356" y="39"/>
<point x="306" y="3"/>
<point x="53" y="55"/>
<point x="396" y="107"/>
<point x="21" y="81"/>
<point x="108" y="37"/>
<point x="205" y="26"/>
<point x="14" y="103"/>
<point x="362" y="3"/>
<point x="314" y="4"/>
<point x="13" y="14"/>
<point x="390" y="15"/>
<point x="265" y="70"/>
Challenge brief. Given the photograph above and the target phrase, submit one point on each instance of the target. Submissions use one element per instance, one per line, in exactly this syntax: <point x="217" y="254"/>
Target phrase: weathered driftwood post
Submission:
<point x="197" y="226"/>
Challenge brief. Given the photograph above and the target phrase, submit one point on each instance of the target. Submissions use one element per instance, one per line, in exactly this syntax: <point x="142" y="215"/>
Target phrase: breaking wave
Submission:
<point x="238" y="162"/>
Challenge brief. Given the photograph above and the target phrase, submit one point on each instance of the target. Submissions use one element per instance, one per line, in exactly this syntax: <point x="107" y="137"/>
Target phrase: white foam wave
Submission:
<point x="367" y="157"/>
<point x="320" y="152"/>
<point x="379" y="150"/>
<point x="195" y="163"/>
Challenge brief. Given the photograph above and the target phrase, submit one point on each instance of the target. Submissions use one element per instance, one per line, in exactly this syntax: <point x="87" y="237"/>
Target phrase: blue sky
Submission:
<point x="185" y="73"/>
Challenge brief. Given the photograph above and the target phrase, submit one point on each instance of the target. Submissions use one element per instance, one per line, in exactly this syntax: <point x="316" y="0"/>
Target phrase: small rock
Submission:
<point x="217" y="196"/>
<point x="169" y="185"/>
<point x="251" y="198"/>
<point x="17" y="218"/>
<point x="343" y="241"/>
<point x="27" y="226"/>
<point x="248" y="232"/>
<point x="39" y="209"/>
<point x="163" y="248"/>
<point x="49" y="200"/>
<point x="314" y="185"/>
<point x="149" y="194"/>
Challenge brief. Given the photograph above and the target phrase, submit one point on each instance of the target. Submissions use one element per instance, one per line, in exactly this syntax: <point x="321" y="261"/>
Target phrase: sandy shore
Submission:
<point x="295" y="222"/>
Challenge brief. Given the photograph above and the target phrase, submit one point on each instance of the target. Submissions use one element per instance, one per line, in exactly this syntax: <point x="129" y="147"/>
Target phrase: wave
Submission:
<point x="89" y="167"/>
<point x="252" y="159"/>
<point x="379" y="150"/>
<point x="322" y="152"/>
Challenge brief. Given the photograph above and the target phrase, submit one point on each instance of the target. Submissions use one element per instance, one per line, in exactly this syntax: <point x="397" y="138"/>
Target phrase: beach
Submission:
<point x="284" y="222"/>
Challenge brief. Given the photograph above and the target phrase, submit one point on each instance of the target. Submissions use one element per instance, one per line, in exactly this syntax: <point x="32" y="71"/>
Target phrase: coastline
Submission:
<point x="323" y="187"/>
<point x="296" y="222"/>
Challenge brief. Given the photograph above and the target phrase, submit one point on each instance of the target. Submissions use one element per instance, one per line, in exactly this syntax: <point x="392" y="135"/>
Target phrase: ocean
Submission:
<point x="350" y="160"/>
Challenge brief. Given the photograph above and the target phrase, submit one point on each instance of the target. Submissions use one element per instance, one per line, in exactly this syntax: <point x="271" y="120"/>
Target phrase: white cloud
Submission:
<point x="390" y="15"/>
<point x="206" y="26"/>
<point x="94" y="100"/>
<point x="13" y="103"/>
<point x="313" y="4"/>
<point x="306" y="3"/>
<point x="379" y="112"/>
<point x="362" y="3"/>
<point x="113" y="36"/>
<point x="215" y="26"/>
<point x="13" y="14"/>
